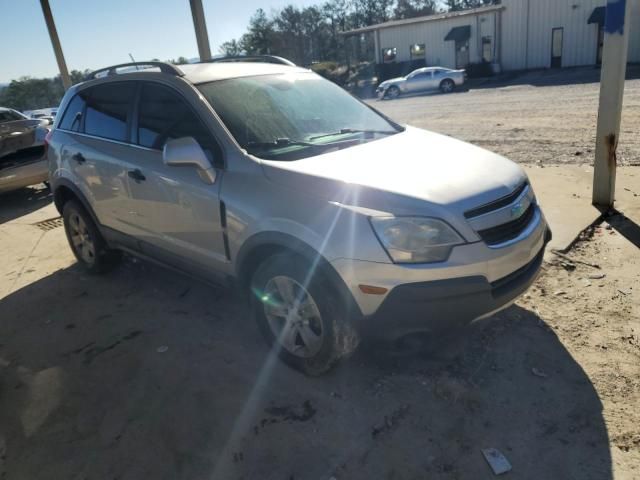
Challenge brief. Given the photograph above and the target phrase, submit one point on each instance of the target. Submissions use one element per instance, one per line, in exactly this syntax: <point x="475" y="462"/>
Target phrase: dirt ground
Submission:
<point x="143" y="373"/>
<point x="542" y="117"/>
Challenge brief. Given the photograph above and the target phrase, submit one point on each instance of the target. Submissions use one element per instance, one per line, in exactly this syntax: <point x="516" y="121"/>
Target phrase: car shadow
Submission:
<point x="145" y="373"/>
<point x="21" y="202"/>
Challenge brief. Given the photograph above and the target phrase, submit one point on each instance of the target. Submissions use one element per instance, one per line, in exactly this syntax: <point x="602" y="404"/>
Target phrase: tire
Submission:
<point x="447" y="86"/>
<point x="314" y="337"/>
<point x="392" y="92"/>
<point x="85" y="239"/>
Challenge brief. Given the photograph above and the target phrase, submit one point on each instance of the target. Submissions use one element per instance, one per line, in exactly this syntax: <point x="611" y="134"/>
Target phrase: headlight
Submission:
<point x="415" y="239"/>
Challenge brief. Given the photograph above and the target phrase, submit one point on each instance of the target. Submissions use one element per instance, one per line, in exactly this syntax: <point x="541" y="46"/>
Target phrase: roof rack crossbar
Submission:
<point x="163" y="66"/>
<point x="252" y="58"/>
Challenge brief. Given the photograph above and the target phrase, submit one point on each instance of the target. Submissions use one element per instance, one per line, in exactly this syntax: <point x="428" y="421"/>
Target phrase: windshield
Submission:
<point x="294" y="115"/>
<point x="10" y="116"/>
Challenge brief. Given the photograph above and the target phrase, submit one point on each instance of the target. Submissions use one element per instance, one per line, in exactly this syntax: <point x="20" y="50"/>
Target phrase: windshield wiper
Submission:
<point x="344" y="131"/>
<point x="281" y="142"/>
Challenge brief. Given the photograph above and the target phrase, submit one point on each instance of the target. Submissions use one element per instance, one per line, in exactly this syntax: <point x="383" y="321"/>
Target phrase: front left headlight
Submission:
<point x="415" y="239"/>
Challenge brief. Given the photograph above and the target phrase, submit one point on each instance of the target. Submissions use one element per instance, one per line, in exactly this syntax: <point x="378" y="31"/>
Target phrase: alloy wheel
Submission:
<point x="81" y="239"/>
<point x="293" y="316"/>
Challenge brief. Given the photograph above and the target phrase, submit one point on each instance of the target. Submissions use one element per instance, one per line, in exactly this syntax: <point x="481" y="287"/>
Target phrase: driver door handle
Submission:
<point x="78" y="157"/>
<point x="136" y="175"/>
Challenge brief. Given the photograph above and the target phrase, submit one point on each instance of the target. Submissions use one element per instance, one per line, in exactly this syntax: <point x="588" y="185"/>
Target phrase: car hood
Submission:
<point x="392" y="173"/>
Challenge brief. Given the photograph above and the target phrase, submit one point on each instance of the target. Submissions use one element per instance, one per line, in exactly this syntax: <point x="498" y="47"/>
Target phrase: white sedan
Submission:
<point x="422" y="80"/>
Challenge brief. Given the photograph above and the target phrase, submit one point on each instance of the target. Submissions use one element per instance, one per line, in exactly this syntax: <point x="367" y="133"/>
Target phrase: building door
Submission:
<point x="462" y="53"/>
<point x="556" y="47"/>
<point x="600" y="45"/>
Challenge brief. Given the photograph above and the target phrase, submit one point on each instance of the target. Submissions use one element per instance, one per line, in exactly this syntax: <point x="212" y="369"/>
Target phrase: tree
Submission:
<point x="28" y="93"/>
<point x="414" y="8"/>
<point x="179" y="61"/>
<point x="257" y="40"/>
<point x="231" y="48"/>
<point x="456" y="5"/>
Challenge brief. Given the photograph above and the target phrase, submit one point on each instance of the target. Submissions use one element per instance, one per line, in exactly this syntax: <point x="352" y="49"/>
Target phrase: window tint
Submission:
<point x="107" y="108"/>
<point x="72" y="118"/>
<point x="164" y="115"/>
<point x="11" y="116"/>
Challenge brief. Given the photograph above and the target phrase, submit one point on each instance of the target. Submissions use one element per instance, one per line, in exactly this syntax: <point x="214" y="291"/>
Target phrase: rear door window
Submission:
<point x="72" y="118"/>
<point x="108" y="110"/>
<point x="164" y="115"/>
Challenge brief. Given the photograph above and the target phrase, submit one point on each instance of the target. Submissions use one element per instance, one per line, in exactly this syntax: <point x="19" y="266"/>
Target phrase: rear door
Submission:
<point x="179" y="215"/>
<point x="98" y="120"/>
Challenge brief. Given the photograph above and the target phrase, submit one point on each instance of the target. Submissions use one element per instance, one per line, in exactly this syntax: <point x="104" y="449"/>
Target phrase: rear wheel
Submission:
<point x="393" y="92"/>
<point x="300" y="314"/>
<point x="85" y="240"/>
<point x="447" y="86"/>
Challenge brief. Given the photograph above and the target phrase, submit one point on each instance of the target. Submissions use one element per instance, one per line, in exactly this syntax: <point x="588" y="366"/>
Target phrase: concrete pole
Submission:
<point x="614" y="66"/>
<point x="199" y="25"/>
<point x="55" y="42"/>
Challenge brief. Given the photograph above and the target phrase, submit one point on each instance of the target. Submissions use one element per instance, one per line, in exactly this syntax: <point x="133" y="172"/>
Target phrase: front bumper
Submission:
<point x="447" y="304"/>
<point x="475" y="281"/>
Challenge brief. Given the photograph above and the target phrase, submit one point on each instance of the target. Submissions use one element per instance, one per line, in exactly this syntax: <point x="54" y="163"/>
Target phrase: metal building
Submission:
<point x="515" y="35"/>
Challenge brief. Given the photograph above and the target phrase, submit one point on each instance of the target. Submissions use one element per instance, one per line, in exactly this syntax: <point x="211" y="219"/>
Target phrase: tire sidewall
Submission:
<point x="329" y="305"/>
<point x="447" y="82"/>
<point x="73" y="207"/>
<point x="393" y="89"/>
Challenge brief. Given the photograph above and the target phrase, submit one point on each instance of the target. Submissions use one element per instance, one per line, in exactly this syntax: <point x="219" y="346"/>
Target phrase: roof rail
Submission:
<point x="163" y="66"/>
<point x="252" y="58"/>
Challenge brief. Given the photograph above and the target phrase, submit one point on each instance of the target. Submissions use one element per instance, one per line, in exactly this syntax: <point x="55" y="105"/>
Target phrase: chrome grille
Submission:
<point x="495" y="205"/>
<point x="504" y="219"/>
<point x="508" y="231"/>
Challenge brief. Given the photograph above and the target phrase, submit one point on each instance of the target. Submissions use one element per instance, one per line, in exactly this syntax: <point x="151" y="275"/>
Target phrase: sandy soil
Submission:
<point x="545" y="117"/>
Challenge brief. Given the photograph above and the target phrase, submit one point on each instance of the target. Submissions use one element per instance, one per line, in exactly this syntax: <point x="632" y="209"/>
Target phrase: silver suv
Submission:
<point x="338" y="222"/>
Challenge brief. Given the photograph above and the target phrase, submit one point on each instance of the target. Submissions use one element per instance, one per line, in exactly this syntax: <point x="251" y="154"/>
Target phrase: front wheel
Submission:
<point x="300" y="314"/>
<point x="447" y="86"/>
<point x="393" y="92"/>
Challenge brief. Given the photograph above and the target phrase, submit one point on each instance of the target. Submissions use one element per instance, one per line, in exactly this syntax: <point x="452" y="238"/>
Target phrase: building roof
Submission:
<point x="426" y="18"/>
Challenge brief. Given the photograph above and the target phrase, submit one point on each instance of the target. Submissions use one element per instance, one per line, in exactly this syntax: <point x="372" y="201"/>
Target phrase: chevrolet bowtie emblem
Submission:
<point x="517" y="210"/>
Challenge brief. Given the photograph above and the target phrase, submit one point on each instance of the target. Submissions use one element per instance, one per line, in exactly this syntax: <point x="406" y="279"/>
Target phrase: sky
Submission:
<point x="99" y="33"/>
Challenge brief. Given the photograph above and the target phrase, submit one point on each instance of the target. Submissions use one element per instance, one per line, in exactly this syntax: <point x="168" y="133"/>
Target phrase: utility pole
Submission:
<point x="200" y="27"/>
<point x="55" y="42"/>
<point x="614" y="66"/>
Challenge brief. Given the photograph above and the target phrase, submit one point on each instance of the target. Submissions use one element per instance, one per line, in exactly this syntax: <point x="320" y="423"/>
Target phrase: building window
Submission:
<point x="487" y="49"/>
<point x="417" y="51"/>
<point x="389" y="54"/>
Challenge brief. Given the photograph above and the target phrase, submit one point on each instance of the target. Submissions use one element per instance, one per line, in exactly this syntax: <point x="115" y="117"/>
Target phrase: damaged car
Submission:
<point x="22" y="150"/>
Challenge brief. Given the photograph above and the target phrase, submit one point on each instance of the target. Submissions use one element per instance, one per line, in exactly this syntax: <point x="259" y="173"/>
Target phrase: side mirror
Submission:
<point x="185" y="151"/>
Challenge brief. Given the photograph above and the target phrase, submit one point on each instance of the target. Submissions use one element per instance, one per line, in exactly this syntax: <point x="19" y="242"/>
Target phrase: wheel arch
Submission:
<point x="64" y="191"/>
<point x="262" y="245"/>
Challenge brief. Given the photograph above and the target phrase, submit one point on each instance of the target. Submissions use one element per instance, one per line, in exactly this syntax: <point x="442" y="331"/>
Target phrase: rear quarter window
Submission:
<point x="72" y="118"/>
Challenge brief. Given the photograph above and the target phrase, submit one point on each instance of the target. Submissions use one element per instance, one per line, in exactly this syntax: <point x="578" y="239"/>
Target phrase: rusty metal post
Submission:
<point x="200" y="27"/>
<point x="614" y="66"/>
<point x="55" y="42"/>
